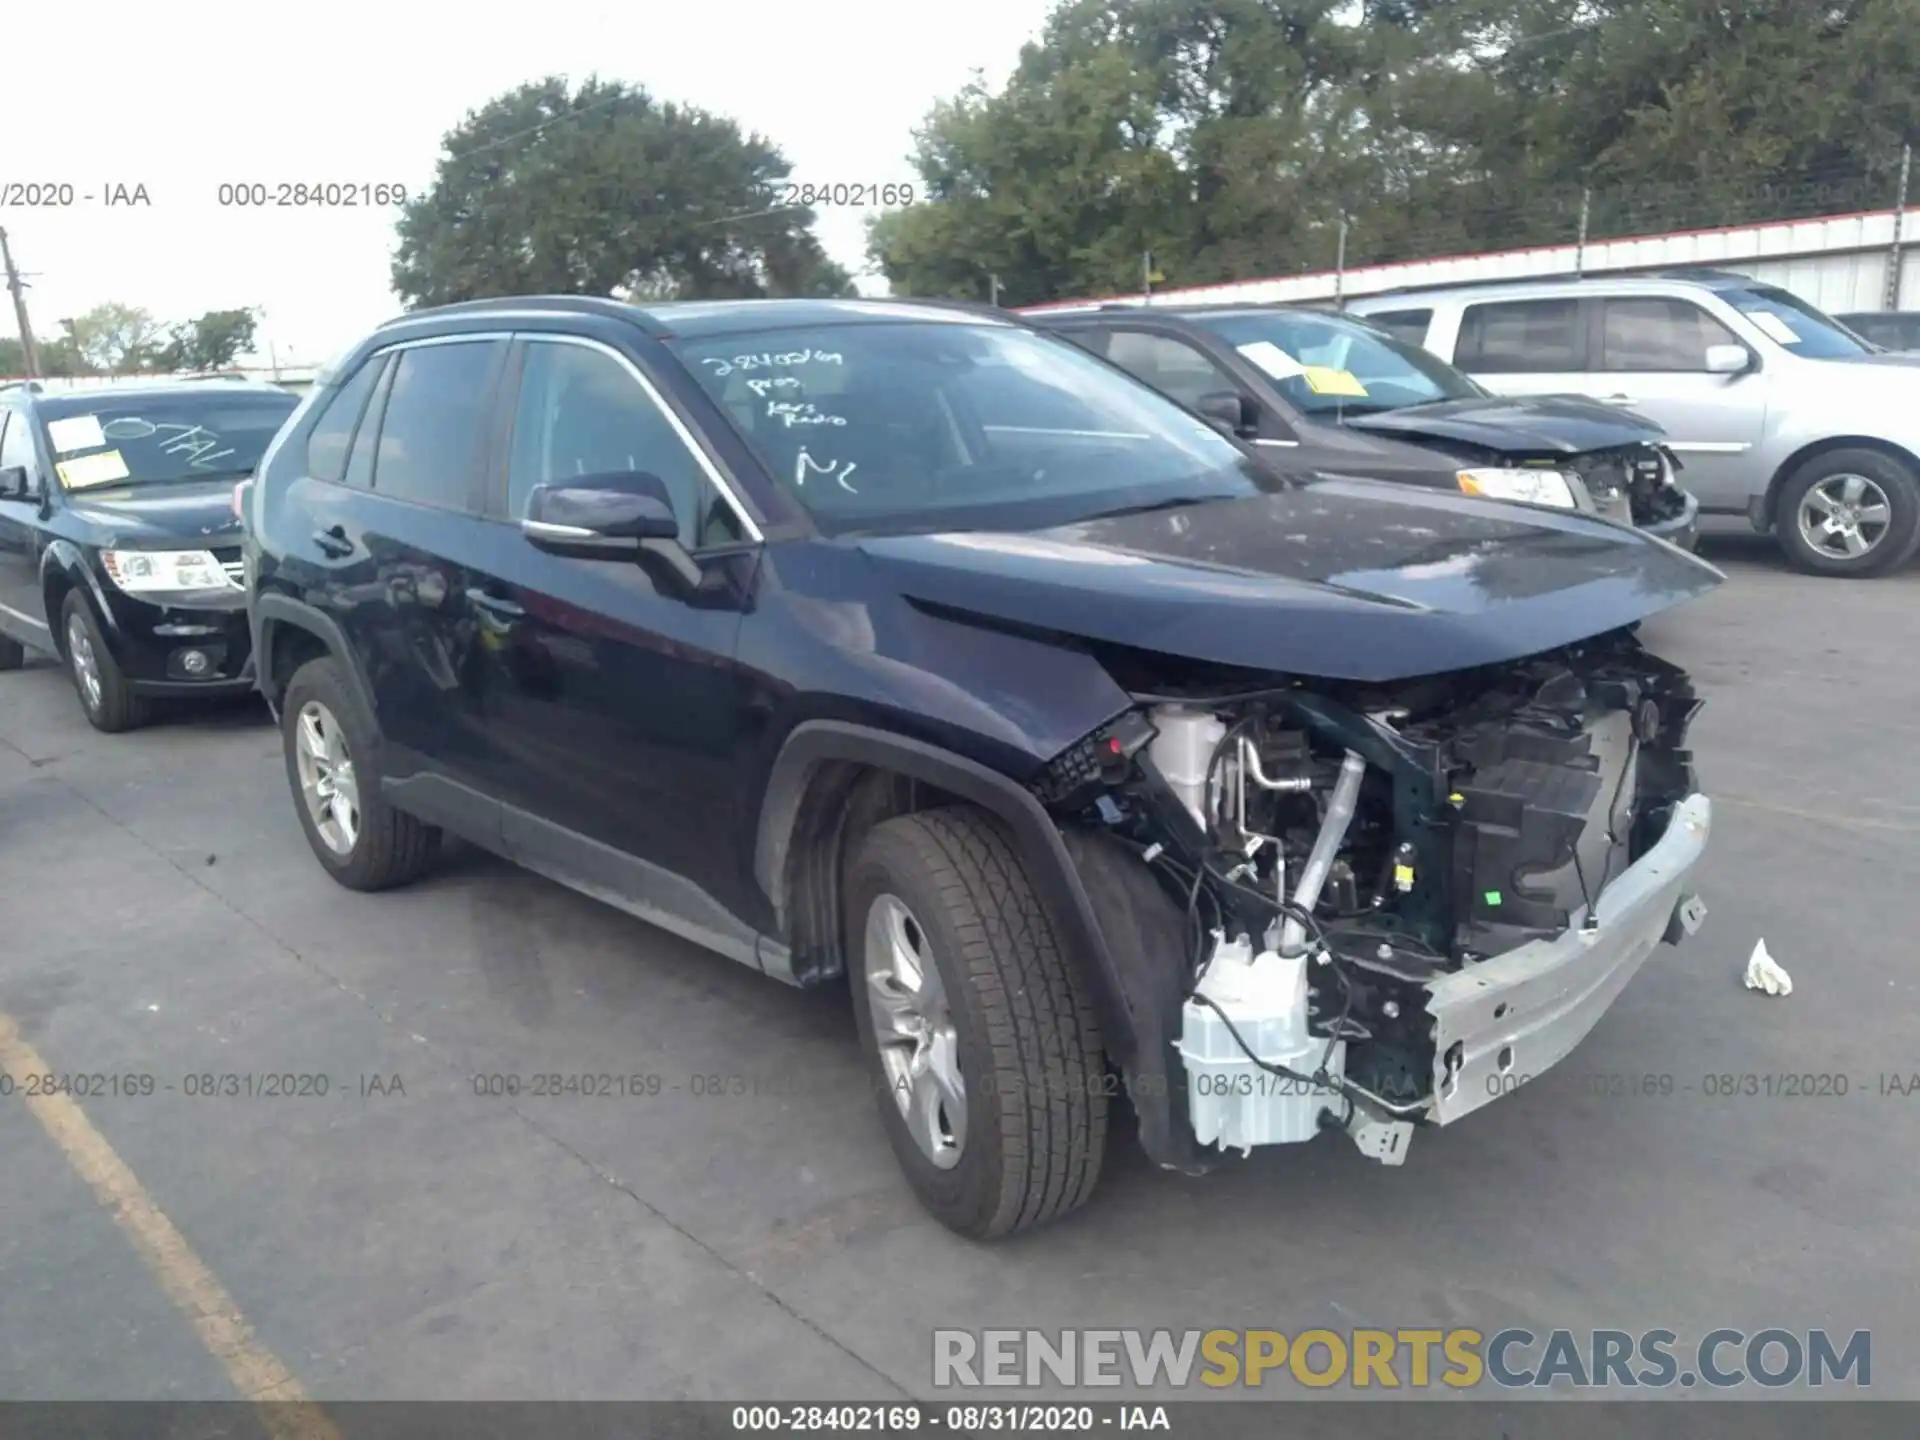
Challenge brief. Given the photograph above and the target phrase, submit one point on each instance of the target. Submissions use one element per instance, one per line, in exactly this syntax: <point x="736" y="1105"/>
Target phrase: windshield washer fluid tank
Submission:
<point x="1234" y="1103"/>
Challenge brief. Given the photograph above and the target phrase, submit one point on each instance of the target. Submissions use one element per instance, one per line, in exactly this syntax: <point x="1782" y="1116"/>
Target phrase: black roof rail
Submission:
<point x="561" y="304"/>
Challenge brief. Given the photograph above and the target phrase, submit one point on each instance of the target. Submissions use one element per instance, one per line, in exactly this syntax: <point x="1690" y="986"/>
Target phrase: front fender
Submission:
<point x="1051" y="870"/>
<point x="63" y="565"/>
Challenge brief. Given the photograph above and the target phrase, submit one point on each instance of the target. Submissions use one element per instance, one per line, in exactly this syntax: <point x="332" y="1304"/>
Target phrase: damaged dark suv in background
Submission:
<point x="1317" y="390"/>
<point x="907" y="643"/>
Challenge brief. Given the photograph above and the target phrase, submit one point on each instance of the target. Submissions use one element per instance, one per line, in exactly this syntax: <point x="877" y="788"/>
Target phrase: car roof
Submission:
<point x="1673" y="281"/>
<point x="694" y="319"/>
<point x="55" y="403"/>
<point x="1117" y="312"/>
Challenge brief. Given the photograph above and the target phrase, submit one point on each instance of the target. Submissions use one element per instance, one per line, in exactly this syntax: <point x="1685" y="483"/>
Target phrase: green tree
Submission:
<point x="212" y="342"/>
<point x="1233" y="137"/>
<point x="605" y="191"/>
<point x="113" y="338"/>
<point x="57" y="358"/>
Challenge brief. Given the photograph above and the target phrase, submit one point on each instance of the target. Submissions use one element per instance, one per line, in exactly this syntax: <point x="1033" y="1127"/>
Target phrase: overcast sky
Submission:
<point x="181" y="96"/>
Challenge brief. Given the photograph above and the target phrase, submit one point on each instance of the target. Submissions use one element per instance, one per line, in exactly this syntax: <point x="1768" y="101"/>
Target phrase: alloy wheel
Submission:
<point x="1844" y="516"/>
<point x="327" y="782"/>
<point x="914" y="1031"/>
<point x="86" y="665"/>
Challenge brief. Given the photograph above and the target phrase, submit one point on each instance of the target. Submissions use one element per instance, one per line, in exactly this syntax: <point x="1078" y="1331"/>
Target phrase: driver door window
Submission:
<point x="1170" y="366"/>
<point x="16" y="444"/>
<point x="581" y="412"/>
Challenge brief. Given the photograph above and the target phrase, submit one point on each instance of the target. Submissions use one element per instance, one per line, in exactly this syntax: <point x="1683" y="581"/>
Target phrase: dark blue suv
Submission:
<point x="908" y="643"/>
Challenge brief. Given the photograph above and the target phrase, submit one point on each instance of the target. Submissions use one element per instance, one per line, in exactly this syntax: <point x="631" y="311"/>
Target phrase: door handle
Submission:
<point x="494" y="605"/>
<point x="333" y="541"/>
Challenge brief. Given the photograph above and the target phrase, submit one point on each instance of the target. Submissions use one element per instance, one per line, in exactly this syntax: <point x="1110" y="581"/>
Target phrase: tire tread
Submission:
<point x="1041" y="1024"/>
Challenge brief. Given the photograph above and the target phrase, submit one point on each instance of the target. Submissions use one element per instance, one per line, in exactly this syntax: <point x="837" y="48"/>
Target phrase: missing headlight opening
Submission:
<point x="1343" y="863"/>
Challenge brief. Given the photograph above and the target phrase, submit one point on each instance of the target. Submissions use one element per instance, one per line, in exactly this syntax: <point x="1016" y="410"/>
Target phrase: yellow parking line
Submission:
<point x="255" y="1371"/>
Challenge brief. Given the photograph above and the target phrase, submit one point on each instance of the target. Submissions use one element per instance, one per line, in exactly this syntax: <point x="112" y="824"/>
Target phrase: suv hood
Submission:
<point x="1531" y="424"/>
<point x="184" y="512"/>
<point x="1337" y="579"/>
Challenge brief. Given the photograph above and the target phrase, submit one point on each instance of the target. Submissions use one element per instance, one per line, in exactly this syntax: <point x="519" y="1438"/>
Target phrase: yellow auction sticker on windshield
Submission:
<point x="1324" y="380"/>
<point x="90" y="470"/>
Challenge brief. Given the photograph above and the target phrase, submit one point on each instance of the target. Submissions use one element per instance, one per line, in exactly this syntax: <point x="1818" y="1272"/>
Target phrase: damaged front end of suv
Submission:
<point x="1376" y="906"/>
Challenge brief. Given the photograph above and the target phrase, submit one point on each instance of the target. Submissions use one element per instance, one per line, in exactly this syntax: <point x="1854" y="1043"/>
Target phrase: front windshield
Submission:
<point x="126" y="438"/>
<point x="953" y="425"/>
<point x="1788" y="320"/>
<point x="1333" y="365"/>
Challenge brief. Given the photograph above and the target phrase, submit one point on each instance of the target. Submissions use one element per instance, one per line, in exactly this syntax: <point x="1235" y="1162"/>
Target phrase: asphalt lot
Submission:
<point x="160" y="914"/>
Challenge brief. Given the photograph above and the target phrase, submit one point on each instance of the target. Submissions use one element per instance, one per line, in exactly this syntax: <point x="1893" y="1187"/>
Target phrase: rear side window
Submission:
<point x="1657" y="333"/>
<point x="332" y="434"/>
<point x="431" y="430"/>
<point x="1407" y="326"/>
<point x="1516" y="337"/>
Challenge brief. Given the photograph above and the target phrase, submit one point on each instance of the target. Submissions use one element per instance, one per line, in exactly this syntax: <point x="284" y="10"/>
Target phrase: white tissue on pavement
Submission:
<point x="1764" y="972"/>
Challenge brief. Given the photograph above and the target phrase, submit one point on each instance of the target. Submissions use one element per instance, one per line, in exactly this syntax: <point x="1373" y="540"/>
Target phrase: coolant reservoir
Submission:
<point x="1182" y="749"/>
<point x="1233" y="1102"/>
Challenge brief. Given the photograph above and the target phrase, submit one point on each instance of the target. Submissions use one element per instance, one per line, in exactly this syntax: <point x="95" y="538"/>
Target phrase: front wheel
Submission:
<point x="1850" y="513"/>
<point x="106" y="695"/>
<point x="982" y="1038"/>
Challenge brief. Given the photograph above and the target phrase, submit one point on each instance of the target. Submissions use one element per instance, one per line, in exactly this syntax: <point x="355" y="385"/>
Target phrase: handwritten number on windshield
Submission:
<point x="195" y="441"/>
<point x="771" y="361"/>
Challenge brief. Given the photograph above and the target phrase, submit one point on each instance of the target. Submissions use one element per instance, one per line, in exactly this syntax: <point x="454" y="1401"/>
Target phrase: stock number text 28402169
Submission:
<point x="842" y="192"/>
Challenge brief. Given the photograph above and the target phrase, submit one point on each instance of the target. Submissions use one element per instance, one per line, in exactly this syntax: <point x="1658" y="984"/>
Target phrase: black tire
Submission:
<point x="1032" y="1070"/>
<point x="388" y="847"/>
<point x="114" y="708"/>
<point x="1894" y="544"/>
<point x="12" y="653"/>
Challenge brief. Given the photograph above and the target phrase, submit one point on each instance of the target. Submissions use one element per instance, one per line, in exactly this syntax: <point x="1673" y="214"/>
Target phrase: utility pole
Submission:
<point x="993" y="290"/>
<point x="1340" y="266"/>
<point x="15" y="288"/>
<point x="1580" y="242"/>
<point x="1146" y="275"/>
<point x="1896" y="256"/>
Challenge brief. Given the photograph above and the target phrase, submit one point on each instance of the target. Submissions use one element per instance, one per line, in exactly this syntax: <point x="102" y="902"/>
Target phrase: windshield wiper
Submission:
<point x="1146" y="507"/>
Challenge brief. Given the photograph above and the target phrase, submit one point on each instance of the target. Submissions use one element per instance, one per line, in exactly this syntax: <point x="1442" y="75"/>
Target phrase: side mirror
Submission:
<point x="600" y="517"/>
<point x="13" y="483"/>
<point x="1232" y="413"/>
<point x="625" y="515"/>
<point x="1729" y="359"/>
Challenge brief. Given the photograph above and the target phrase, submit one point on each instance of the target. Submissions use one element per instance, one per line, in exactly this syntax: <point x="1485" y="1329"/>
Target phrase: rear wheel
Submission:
<point x="1850" y="513"/>
<point x="992" y="1083"/>
<point x="360" y="839"/>
<point x="105" y="693"/>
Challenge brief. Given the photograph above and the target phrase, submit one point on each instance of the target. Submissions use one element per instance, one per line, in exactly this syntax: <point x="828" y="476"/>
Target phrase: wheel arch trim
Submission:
<point x="270" y="614"/>
<point x="1036" y="838"/>
<point x="1813" y="449"/>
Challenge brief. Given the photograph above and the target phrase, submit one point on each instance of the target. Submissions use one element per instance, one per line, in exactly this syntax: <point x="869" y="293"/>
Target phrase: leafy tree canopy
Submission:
<point x="1229" y="138"/>
<point x="605" y="191"/>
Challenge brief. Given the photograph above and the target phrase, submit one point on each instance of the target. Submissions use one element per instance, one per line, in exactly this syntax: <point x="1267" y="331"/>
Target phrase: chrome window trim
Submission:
<point x="749" y="526"/>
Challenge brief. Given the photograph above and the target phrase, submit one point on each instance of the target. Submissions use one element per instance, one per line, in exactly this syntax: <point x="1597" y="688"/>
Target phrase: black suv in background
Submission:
<point x="1323" y="391"/>
<point x="120" y="538"/>
<point x="909" y="643"/>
